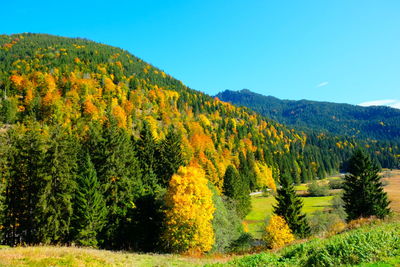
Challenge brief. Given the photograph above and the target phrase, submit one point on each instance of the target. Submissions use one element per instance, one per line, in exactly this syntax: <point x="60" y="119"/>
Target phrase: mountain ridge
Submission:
<point x="375" y="122"/>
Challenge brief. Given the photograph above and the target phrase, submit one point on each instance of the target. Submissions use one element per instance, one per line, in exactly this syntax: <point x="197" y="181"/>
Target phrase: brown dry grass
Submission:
<point x="393" y="189"/>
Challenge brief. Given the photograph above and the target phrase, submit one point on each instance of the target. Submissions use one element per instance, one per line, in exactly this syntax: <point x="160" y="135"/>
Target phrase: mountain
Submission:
<point x="99" y="148"/>
<point x="375" y="122"/>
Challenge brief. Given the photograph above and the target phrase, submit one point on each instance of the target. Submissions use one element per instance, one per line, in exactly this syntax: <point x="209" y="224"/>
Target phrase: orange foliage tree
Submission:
<point x="190" y="211"/>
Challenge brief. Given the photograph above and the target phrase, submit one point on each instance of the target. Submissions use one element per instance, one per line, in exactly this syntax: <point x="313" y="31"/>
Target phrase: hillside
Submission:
<point x="99" y="148"/>
<point x="376" y="122"/>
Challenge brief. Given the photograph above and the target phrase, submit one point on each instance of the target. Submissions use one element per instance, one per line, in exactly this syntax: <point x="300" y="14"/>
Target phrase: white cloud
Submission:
<point x="394" y="103"/>
<point x="322" y="84"/>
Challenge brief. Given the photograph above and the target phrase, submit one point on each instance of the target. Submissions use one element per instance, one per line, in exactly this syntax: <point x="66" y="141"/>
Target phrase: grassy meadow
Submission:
<point x="262" y="207"/>
<point x="72" y="256"/>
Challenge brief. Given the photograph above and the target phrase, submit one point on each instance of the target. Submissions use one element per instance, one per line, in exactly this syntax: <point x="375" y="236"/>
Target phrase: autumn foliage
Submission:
<point x="278" y="233"/>
<point x="190" y="211"/>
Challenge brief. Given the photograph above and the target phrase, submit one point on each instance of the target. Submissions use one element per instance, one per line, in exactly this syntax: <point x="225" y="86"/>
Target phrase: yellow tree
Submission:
<point x="278" y="233"/>
<point x="189" y="212"/>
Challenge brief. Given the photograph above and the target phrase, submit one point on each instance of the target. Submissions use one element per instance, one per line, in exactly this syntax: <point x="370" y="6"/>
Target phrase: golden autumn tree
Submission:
<point x="278" y="233"/>
<point x="264" y="176"/>
<point x="190" y="211"/>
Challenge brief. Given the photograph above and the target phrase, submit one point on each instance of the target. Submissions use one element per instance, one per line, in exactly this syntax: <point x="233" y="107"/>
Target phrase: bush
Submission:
<point x="338" y="206"/>
<point x="278" y="233"/>
<point x="335" y="184"/>
<point x="324" y="223"/>
<point x="243" y="244"/>
<point x="316" y="190"/>
<point x="366" y="244"/>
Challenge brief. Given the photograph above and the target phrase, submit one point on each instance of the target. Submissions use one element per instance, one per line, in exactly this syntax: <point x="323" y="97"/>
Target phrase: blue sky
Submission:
<point x="344" y="51"/>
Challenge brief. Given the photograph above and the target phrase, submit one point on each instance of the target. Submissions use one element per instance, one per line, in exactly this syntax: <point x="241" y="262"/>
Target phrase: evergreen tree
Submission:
<point x="90" y="210"/>
<point x="148" y="155"/>
<point x="119" y="174"/>
<point x="363" y="190"/>
<point x="147" y="222"/>
<point x="231" y="182"/>
<point x="56" y="200"/>
<point x="26" y="179"/>
<point x="236" y="188"/>
<point x="171" y="158"/>
<point x="289" y="207"/>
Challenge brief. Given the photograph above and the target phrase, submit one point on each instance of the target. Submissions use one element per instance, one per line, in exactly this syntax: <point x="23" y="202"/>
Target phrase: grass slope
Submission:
<point x="377" y="243"/>
<point x="72" y="256"/>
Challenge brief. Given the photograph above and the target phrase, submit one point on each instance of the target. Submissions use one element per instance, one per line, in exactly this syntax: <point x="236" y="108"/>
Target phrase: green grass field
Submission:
<point x="262" y="208"/>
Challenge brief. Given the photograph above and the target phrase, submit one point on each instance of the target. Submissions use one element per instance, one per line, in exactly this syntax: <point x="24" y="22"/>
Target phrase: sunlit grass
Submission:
<point x="71" y="256"/>
<point x="262" y="208"/>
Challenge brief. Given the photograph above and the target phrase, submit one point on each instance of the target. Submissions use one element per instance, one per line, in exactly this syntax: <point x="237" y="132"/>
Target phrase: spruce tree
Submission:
<point x="26" y="179"/>
<point x="237" y="188"/>
<point x="363" y="190"/>
<point x="170" y="156"/>
<point x="119" y="174"/>
<point x="289" y="206"/>
<point x="56" y="201"/>
<point x="231" y="182"/>
<point x="148" y="155"/>
<point x="90" y="210"/>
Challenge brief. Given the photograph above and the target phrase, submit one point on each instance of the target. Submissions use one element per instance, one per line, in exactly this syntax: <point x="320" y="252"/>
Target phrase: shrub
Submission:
<point x="277" y="233"/>
<point x="338" y="206"/>
<point x="243" y="244"/>
<point x="226" y="223"/>
<point x="316" y="190"/>
<point x="335" y="184"/>
<point x="324" y="223"/>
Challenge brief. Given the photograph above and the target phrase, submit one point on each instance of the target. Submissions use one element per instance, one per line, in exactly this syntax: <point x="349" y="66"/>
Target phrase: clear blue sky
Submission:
<point x="339" y="50"/>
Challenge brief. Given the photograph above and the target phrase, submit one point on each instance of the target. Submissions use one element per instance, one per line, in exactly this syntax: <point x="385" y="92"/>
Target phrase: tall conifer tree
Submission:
<point x="289" y="206"/>
<point x="24" y="187"/>
<point x="56" y="201"/>
<point x="363" y="190"/>
<point x="90" y="210"/>
<point x="171" y="158"/>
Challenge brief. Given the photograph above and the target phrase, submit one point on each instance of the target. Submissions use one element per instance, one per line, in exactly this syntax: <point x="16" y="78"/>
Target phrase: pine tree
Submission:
<point x="289" y="207"/>
<point x="26" y="179"/>
<point x="171" y="158"/>
<point x="148" y="155"/>
<point x="119" y="174"/>
<point x="237" y="188"/>
<point x="56" y="201"/>
<point x="90" y="210"/>
<point x="363" y="190"/>
<point x="231" y="182"/>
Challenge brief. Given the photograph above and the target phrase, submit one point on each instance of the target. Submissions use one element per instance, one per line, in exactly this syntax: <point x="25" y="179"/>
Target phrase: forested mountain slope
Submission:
<point x="93" y="140"/>
<point x="376" y="122"/>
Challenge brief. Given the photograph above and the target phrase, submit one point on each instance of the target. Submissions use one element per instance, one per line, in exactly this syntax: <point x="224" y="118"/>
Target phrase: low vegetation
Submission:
<point x="72" y="256"/>
<point x="375" y="242"/>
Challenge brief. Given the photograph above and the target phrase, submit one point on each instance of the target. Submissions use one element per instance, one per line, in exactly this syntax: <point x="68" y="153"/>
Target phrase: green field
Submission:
<point x="262" y="208"/>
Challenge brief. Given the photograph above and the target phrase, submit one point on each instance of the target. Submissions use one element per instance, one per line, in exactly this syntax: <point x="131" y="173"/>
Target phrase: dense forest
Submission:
<point x="375" y="122"/>
<point x="373" y="128"/>
<point x="99" y="148"/>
